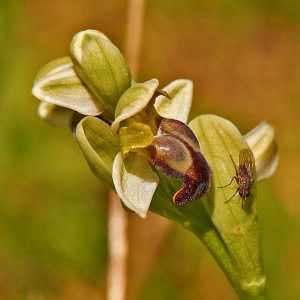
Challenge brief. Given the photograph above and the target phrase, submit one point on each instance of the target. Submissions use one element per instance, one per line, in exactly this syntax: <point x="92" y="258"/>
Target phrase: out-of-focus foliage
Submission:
<point x="244" y="60"/>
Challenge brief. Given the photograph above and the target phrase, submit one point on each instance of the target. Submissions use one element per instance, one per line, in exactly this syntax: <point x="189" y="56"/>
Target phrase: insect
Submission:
<point x="245" y="175"/>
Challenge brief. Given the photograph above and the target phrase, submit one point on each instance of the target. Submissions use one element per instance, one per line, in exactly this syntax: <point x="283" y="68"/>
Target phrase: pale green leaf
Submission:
<point x="57" y="83"/>
<point x="101" y="66"/>
<point x="179" y="104"/>
<point x="135" y="182"/>
<point x="134" y="100"/>
<point x="261" y="141"/>
<point x="99" y="145"/>
<point x="237" y="226"/>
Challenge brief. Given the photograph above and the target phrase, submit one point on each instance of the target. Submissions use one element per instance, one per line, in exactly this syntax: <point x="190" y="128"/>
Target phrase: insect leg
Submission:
<point x="233" y="163"/>
<point x="232" y="195"/>
<point x="234" y="177"/>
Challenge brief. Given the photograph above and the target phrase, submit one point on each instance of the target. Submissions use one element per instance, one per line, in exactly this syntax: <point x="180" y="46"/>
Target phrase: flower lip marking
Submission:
<point x="176" y="153"/>
<point x="245" y="175"/>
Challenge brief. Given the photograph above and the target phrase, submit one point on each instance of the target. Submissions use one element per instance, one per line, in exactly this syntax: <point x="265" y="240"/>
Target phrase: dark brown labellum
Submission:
<point x="176" y="153"/>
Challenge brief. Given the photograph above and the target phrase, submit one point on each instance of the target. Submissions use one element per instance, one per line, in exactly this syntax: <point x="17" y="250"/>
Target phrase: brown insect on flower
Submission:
<point x="245" y="175"/>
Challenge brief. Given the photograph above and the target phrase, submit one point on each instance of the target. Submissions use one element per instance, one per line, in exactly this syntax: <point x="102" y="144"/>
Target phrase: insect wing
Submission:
<point x="247" y="159"/>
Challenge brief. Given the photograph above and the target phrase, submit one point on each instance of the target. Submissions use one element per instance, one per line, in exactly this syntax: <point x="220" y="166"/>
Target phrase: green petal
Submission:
<point x="57" y="83"/>
<point x="134" y="100"/>
<point x="178" y="107"/>
<point x="101" y="66"/>
<point x="238" y="227"/>
<point x="261" y="141"/>
<point x="135" y="182"/>
<point x="99" y="145"/>
<point x="55" y="115"/>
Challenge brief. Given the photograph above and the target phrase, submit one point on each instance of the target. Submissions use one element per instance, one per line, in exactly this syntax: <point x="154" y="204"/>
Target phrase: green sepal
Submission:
<point x="57" y="83"/>
<point x="261" y="141"/>
<point x="99" y="145"/>
<point x="101" y="66"/>
<point x="55" y="115"/>
<point x="219" y="139"/>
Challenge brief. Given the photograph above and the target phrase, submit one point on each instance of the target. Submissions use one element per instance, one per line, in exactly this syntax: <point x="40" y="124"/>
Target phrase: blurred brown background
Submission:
<point x="244" y="59"/>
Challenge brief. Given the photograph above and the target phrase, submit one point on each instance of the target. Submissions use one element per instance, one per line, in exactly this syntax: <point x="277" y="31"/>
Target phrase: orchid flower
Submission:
<point x="136" y="139"/>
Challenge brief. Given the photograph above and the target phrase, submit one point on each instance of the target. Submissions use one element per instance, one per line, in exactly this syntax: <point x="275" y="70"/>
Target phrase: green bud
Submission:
<point x="101" y="66"/>
<point x="57" y="83"/>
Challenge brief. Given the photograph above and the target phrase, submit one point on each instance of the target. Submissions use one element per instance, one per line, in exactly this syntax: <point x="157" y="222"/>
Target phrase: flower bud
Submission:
<point x="101" y="66"/>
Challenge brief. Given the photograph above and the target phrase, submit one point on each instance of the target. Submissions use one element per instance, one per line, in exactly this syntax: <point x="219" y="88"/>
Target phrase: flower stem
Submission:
<point x="215" y="247"/>
<point x="195" y="218"/>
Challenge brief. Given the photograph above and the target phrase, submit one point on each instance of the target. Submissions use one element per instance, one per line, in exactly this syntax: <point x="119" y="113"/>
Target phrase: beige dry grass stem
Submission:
<point x="118" y="220"/>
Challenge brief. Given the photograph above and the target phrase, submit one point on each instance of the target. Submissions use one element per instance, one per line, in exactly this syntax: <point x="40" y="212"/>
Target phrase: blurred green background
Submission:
<point x="244" y="59"/>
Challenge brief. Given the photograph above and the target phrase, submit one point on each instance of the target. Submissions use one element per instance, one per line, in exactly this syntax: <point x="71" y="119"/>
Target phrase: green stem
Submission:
<point x="215" y="246"/>
<point x="200" y="224"/>
<point x="195" y="218"/>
